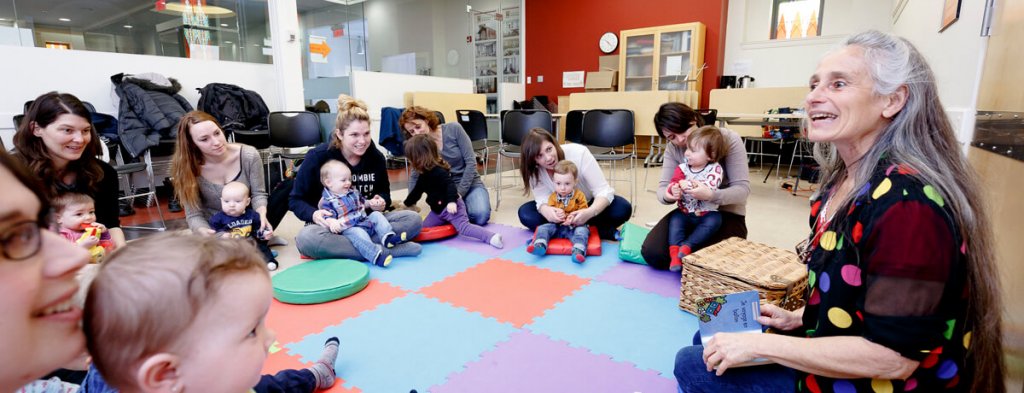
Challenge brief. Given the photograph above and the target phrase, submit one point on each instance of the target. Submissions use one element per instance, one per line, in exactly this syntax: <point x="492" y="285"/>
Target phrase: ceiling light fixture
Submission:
<point x="64" y="19"/>
<point x="345" y="2"/>
<point x="209" y="10"/>
<point x="128" y="26"/>
<point x="223" y="25"/>
<point x="228" y="42"/>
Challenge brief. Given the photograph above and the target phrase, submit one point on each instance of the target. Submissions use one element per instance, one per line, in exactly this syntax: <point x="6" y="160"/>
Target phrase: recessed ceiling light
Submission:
<point x="228" y="42"/>
<point x="128" y="26"/>
<point x="223" y="25"/>
<point x="64" y="19"/>
<point x="3" y="19"/>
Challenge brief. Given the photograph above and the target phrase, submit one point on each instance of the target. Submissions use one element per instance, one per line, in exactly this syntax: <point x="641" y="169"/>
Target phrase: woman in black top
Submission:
<point x="57" y="143"/>
<point x="351" y="144"/>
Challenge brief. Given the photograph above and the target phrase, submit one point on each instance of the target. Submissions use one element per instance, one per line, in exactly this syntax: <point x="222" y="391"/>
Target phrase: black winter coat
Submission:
<point x="148" y="112"/>
<point x="234" y="108"/>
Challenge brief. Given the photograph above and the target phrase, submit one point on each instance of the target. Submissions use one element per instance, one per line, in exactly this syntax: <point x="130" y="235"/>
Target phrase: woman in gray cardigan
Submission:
<point x="457" y="150"/>
<point x="674" y="122"/>
<point x="204" y="162"/>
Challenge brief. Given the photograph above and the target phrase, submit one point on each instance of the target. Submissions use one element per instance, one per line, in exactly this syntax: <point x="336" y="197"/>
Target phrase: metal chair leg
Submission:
<point x="497" y="182"/>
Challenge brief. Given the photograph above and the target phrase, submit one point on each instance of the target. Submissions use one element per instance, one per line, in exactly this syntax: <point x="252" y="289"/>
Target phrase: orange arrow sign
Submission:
<point x="320" y="47"/>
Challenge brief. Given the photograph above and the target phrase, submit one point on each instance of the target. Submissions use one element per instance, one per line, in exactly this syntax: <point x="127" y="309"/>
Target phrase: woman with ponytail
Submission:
<point x="903" y="292"/>
<point x="351" y="144"/>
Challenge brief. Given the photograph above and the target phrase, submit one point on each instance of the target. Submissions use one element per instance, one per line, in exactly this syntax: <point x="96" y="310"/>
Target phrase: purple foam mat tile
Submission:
<point x="643" y="278"/>
<point x="535" y="363"/>
<point x="511" y="236"/>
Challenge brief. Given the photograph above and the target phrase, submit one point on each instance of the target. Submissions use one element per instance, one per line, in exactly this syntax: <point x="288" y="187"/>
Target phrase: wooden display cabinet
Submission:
<point x="662" y="58"/>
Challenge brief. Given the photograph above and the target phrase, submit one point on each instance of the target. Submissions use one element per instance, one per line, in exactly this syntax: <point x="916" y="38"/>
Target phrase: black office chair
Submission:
<point x="574" y="131"/>
<point x="475" y="124"/>
<point x="710" y="116"/>
<point x="289" y="130"/>
<point x="440" y="117"/>
<point x="514" y="127"/>
<point x="612" y="129"/>
<point x="18" y="118"/>
<point x="574" y="125"/>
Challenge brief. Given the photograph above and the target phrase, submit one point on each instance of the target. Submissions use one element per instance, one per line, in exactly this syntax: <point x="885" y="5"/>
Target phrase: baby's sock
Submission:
<point x="684" y="250"/>
<point x="578" y="255"/>
<point x="496" y="241"/>
<point x="675" y="262"/>
<point x="539" y="247"/>
<point x="323" y="369"/>
<point x="383" y="258"/>
<point x="392" y="239"/>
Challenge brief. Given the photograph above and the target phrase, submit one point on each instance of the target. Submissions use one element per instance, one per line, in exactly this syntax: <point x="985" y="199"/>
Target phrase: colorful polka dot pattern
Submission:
<point x="838" y="280"/>
<point x="839" y="318"/>
<point x="881" y="386"/>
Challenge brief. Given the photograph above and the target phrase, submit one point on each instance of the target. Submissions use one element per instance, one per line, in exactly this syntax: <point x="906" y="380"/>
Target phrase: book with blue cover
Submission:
<point x="732" y="313"/>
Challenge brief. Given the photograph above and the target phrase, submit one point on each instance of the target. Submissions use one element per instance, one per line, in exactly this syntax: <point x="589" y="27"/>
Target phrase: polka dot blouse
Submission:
<point x="890" y="267"/>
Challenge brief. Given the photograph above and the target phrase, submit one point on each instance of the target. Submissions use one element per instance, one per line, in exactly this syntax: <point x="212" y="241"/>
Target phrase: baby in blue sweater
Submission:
<point x="238" y="220"/>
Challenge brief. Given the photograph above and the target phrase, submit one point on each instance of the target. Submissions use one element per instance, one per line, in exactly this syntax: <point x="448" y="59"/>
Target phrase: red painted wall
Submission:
<point x="562" y="35"/>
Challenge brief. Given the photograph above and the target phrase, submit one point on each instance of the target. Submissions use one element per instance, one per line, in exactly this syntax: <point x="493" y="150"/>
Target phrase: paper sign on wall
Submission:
<point x="742" y="67"/>
<point x="318" y="49"/>
<point x="571" y="79"/>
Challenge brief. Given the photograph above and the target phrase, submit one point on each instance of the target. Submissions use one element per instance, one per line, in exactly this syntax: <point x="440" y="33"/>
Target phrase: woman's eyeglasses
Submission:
<point x="21" y="241"/>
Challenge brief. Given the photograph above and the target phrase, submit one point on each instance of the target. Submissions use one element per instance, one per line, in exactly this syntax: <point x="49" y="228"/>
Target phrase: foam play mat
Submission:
<point x="466" y="317"/>
<point x="320" y="281"/>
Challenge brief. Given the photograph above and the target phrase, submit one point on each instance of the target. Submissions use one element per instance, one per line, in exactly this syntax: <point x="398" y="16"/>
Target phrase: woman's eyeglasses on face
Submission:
<point x="22" y="240"/>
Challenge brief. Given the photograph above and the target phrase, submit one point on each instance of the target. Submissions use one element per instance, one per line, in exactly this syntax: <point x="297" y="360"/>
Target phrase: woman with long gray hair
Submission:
<point x="902" y="292"/>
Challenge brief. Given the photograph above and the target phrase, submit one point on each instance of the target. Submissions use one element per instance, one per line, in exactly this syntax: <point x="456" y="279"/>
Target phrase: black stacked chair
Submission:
<point x="475" y="124"/>
<point x="514" y="127"/>
<point x="610" y="129"/>
<point x="290" y="130"/>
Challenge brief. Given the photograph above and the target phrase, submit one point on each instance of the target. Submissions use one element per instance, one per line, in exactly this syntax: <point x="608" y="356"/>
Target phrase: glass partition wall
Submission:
<point x="233" y="30"/>
<point x="335" y="38"/>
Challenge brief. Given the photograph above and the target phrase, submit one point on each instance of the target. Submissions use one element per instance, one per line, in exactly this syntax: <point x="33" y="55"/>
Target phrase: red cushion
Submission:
<point x="435" y="233"/>
<point x="562" y="246"/>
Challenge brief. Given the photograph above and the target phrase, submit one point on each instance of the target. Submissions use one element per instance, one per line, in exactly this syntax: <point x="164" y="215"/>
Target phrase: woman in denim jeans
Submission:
<point x="457" y="151"/>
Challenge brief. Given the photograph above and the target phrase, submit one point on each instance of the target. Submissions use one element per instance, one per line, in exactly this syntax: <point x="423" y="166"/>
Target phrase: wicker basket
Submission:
<point x="737" y="265"/>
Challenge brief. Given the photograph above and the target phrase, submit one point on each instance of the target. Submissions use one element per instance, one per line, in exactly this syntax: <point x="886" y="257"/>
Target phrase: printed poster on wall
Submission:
<point x="572" y="79"/>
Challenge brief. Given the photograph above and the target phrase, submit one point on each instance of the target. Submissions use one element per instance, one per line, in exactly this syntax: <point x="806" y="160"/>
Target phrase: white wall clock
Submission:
<point x="609" y="42"/>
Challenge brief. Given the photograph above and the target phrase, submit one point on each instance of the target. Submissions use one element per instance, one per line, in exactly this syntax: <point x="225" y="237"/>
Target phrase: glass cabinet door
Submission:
<point x="674" y="60"/>
<point x="639" y="63"/>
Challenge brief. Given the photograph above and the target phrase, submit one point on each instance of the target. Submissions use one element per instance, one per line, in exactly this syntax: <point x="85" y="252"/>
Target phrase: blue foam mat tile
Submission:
<point x="411" y="343"/>
<point x="628" y="325"/>
<point x="591" y="268"/>
<point x="435" y="263"/>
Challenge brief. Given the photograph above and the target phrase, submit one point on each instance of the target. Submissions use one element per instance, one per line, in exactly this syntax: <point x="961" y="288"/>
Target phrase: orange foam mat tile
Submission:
<point x="292" y="322"/>
<point x="504" y="290"/>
